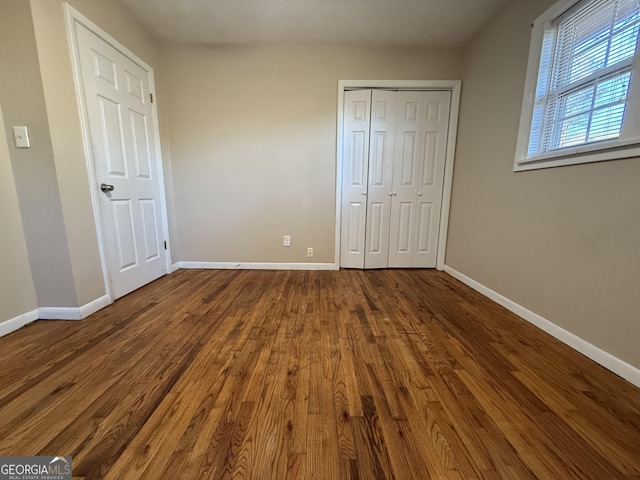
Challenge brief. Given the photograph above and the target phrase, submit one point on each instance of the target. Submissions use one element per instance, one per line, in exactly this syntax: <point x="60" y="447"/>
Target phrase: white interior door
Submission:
<point x="355" y="174"/>
<point x="418" y="175"/>
<point x="121" y="127"/>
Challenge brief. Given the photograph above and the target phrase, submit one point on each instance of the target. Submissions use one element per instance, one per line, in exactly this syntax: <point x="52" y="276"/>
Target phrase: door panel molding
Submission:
<point x="452" y="86"/>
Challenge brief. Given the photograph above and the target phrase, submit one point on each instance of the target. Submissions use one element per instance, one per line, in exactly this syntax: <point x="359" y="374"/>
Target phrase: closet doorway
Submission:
<point x="395" y="184"/>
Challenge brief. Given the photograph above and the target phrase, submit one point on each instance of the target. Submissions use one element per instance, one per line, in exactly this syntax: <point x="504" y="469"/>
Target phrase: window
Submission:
<point x="582" y="96"/>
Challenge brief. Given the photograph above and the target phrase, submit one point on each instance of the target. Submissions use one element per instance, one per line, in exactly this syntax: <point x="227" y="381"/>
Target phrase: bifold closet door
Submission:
<point x="394" y="149"/>
<point x="422" y="122"/>
<point x="367" y="171"/>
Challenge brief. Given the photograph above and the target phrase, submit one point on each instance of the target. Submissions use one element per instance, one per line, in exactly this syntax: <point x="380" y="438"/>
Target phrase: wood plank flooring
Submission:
<point x="389" y="374"/>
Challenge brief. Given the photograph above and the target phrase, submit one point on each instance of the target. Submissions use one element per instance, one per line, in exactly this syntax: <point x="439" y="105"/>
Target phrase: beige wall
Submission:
<point x="64" y="120"/>
<point x="22" y="98"/>
<point x="561" y="242"/>
<point x="253" y="143"/>
<point x="17" y="293"/>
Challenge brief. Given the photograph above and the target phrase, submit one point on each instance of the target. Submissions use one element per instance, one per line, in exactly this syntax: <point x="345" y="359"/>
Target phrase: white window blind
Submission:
<point x="584" y="76"/>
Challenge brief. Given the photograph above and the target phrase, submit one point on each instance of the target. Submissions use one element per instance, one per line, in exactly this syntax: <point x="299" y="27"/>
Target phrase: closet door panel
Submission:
<point x="402" y="243"/>
<point x="382" y="142"/>
<point x="355" y="174"/>
<point x="435" y="125"/>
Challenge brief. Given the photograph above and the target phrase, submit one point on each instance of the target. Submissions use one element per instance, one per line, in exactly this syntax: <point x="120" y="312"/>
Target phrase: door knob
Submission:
<point x="106" y="188"/>
<point x="363" y="193"/>
<point x="420" y="194"/>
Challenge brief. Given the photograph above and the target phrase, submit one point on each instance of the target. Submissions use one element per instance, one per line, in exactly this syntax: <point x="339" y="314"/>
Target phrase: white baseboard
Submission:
<point x="258" y="266"/>
<point x="92" y="307"/>
<point x="73" y="313"/>
<point x="59" y="313"/>
<point x="608" y="361"/>
<point x="53" y="313"/>
<point x="15" y="323"/>
<point x="174" y="267"/>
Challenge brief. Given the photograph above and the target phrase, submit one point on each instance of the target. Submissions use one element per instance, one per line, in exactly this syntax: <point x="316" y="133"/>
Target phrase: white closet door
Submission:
<point x="418" y="174"/>
<point x="383" y="118"/>
<point x="355" y="172"/>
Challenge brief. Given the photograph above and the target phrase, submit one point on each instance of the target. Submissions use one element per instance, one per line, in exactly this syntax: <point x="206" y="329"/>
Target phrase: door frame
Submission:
<point x="453" y="86"/>
<point x="73" y="16"/>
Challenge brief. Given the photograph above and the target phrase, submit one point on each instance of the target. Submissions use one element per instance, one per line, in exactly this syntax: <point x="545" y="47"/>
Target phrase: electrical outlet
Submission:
<point x="309" y="252"/>
<point x="286" y="242"/>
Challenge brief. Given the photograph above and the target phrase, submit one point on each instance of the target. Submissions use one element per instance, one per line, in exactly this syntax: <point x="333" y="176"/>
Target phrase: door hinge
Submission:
<point x="165" y="244"/>
<point x="151" y="96"/>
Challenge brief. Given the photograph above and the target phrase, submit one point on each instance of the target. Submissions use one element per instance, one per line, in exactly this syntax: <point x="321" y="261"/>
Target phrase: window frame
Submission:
<point x="585" y="153"/>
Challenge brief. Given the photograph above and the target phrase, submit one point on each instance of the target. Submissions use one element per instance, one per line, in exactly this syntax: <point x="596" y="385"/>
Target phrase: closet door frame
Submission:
<point x="452" y="86"/>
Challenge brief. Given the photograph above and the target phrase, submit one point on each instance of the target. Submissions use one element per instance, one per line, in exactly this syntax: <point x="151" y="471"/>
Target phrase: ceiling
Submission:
<point x="316" y="22"/>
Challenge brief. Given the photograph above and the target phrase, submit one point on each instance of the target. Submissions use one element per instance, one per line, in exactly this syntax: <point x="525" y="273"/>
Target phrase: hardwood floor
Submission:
<point x="299" y="375"/>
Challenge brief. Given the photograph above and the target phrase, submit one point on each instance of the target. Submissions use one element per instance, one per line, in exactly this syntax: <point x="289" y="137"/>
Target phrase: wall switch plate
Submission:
<point x="309" y="252"/>
<point x="286" y="242"/>
<point x="21" y="137"/>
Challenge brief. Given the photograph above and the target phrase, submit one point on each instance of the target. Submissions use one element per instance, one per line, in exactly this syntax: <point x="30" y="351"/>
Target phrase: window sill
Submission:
<point x="595" y="152"/>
